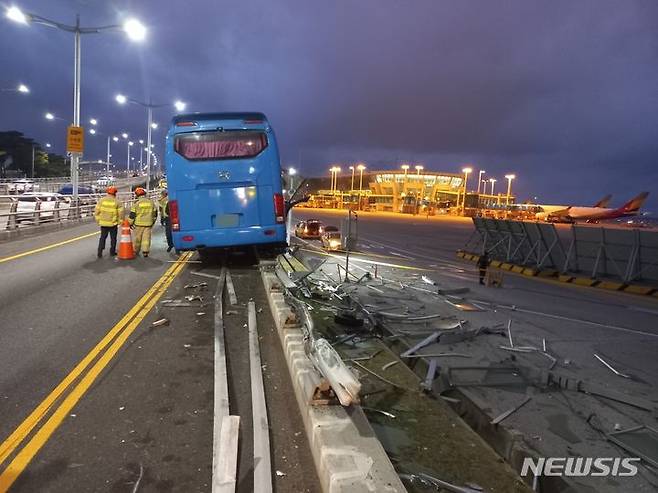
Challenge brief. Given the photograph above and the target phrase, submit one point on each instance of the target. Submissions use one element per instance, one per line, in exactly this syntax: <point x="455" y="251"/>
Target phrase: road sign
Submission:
<point x="75" y="139"/>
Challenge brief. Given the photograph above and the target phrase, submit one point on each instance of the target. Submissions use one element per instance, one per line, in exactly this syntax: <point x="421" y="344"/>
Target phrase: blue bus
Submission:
<point x="224" y="182"/>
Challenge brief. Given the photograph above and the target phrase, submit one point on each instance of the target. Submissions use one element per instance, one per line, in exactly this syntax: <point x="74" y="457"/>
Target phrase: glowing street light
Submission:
<point x="466" y="172"/>
<point x="361" y="167"/>
<point x="115" y="138"/>
<point x="150" y="125"/>
<point x="493" y="182"/>
<point x="124" y="135"/>
<point x="419" y="168"/>
<point x="509" y="177"/>
<point x="93" y="121"/>
<point x="92" y="131"/>
<point x="49" y="116"/>
<point x="48" y="145"/>
<point x="133" y="29"/>
<point x="480" y="179"/>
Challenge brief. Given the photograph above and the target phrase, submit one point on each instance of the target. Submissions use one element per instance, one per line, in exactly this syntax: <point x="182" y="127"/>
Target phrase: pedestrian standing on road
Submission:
<point x="142" y="217"/>
<point x="108" y="214"/>
<point x="483" y="265"/>
<point x="162" y="202"/>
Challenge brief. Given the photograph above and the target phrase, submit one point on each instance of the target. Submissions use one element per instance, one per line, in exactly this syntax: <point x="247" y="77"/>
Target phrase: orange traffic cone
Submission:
<point x="126" y="251"/>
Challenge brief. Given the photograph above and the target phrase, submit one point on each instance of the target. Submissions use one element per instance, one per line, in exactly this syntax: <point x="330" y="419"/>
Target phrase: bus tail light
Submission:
<point x="173" y="215"/>
<point x="186" y="124"/>
<point x="279" y="208"/>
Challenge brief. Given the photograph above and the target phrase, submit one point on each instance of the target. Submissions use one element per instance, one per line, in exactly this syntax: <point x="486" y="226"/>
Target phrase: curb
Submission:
<point x="347" y="455"/>
<point x="568" y="278"/>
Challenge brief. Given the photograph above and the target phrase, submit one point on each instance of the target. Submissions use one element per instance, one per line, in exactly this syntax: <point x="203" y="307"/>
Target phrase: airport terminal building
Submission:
<point x="407" y="192"/>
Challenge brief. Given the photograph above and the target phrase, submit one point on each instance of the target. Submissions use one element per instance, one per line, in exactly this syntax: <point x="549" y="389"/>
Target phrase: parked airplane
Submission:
<point x="572" y="214"/>
<point x="544" y="211"/>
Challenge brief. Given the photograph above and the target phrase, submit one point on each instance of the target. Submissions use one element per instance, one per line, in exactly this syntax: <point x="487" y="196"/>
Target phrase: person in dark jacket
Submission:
<point x="483" y="265"/>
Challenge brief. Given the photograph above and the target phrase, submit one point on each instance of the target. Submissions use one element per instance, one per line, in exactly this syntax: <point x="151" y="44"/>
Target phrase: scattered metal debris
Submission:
<point x="162" y="321"/>
<point x="509" y="333"/>
<point x="431" y="372"/>
<point x="194" y="297"/>
<point x="507" y="413"/>
<point x="177" y="304"/>
<point x="641" y="441"/>
<point x="201" y="285"/>
<point x="280" y="473"/>
<point x="610" y="367"/>
<point x="428" y="480"/>
<point x="379" y="376"/>
<point x="139" y="478"/>
<point x="373" y="410"/>
<point x="200" y="313"/>
<point x="388" y="365"/>
<point x="425" y="342"/>
<point x="429" y="281"/>
<point x="440" y="355"/>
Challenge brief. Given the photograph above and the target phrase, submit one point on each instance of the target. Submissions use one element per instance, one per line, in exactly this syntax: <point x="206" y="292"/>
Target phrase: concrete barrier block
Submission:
<point x="547" y="273"/>
<point x="565" y="278"/>
<point x="518" y="269"/>
<point x="530" y="271"/>
<point x="610" y="285"/>
<point x="496" y="263"/>
<point x="506" y="266"/>
<point x="637" y="289"/>
<point x="584" y="281"/>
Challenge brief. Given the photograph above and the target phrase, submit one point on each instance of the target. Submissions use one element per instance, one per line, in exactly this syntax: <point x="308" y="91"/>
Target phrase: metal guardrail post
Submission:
<point x="11" y="221"/>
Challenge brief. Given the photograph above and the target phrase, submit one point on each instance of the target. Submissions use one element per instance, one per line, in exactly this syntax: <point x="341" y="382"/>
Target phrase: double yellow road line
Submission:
<point x="85" y="374"/>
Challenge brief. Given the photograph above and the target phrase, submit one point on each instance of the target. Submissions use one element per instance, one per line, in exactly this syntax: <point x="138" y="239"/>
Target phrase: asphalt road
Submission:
<point x="147" y="417"/>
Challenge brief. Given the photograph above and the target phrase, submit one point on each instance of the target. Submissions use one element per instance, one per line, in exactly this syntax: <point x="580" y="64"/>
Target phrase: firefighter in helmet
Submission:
<point x="142" y="218"/>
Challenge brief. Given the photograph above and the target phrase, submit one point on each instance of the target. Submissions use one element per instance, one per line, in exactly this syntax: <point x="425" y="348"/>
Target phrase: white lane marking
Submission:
<point x="221" y="404"/>
<point x="233" y="299"/>
<point x="262" y="461"/>
<point x="644" y="310"/>
<point x="400" y="255"/>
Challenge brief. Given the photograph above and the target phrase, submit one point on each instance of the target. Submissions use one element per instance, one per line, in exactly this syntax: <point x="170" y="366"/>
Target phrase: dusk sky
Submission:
<point x="562" y="93"/>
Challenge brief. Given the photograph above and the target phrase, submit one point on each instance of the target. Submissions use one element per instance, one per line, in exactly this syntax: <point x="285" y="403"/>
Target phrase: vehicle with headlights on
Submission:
<point x="331" y="239"/>
<point x="310" y="229"/>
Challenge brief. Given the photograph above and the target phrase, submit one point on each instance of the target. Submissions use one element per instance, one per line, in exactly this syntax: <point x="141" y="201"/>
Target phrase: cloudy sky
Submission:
<point x="562" y="93"/>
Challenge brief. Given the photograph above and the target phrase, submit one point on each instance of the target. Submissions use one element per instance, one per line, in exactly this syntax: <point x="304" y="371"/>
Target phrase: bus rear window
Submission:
<point x="198" y="146"/>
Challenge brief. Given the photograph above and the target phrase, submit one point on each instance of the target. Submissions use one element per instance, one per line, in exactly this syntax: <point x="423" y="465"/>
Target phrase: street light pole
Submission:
<point x="480" y="180"/>
<point x="493" y="182"/>
<point x="466" y="172"/>
<point x="509" y="186"/>
<point x="352" y="187"/>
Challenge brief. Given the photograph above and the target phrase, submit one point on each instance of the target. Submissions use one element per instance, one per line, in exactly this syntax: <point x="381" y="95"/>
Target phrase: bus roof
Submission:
<point x="226" y="118"/>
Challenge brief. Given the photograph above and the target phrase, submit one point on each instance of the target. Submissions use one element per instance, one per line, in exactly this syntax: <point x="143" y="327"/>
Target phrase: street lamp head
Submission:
<point x="121" y="99"/>
<point x="154" y="125"/>
<point x="115" y="138"/>
<point x="141" y="141"/>
<point x="49" y="116"/>
<point x="351" y="167"/>
<point x="179" y="105"/>
<point x="93" y="121"/>
<point x="92" y="131"/>
<point x="135" y="29"/>
<point x="467" y="170"/>
<point x="48" y="145"/>
<point x="510" y="177"/>
<point x="23" y="88"/>
<point x="419" y="167"/>
<point x="361" y="167"/>
<point x="482" y="172"/>
<point x="492" y="180"/>
<point x="292" y="171"/>
<point x="17" y="15"/>
<point x="124" y="135"/>
<point x="405" y="167"/>
<point x="130" y="142"/>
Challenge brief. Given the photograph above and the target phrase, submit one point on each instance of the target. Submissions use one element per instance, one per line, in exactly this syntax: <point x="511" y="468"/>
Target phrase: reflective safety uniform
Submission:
<point x="109" y="211"/>
<point x="108" y="214"/>
<point x="162" y="203"/>
<point x="142" y="216"/>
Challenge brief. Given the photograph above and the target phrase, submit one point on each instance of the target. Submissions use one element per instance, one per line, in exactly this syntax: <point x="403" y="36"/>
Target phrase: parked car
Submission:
<point x="47" y="203"/>
<point x="331" y="239"/>
<point x="22" y="185"/>
<point x="311" y="229"/>
<point x="105" y="181"/>
<point x="86" y="193"/>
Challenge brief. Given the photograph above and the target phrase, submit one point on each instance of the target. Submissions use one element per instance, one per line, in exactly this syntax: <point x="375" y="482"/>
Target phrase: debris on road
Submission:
<point x="379" y="411"/>
<point x="610" y="367"/>
<point x="162" y="321"/>
<point x="509" y="412"/>
<point x="201" y="285"/>
<point x="388" y="365"/>
<point x="280" y="473"/>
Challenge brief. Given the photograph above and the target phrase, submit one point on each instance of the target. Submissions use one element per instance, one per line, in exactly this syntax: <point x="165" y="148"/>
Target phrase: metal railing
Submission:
<point x="63" y="210"/>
